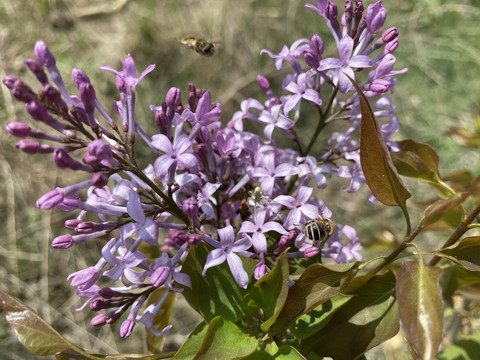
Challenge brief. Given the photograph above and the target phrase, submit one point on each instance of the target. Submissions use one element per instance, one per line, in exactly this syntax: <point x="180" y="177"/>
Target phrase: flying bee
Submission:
<point x="319" y="230"/>
<point x="201" y="46"/>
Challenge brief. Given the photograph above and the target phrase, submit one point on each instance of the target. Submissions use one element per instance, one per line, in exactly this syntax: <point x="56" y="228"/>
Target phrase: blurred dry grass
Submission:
<point x="439" y="42"/>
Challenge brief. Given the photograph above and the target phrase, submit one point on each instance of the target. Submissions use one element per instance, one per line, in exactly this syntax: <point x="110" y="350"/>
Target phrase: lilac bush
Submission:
<point x="213" y="192"/>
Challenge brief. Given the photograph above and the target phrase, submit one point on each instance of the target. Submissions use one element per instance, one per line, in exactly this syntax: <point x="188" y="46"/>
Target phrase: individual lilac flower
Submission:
<point x="145" y="227"/>
<point x="258" y="230"/>
<point x="175" y="155"/>
<point x="205" y="199"/>
<point x="274" y="119"/>
<point x="267" y="172"/>
<point x="85" y="278"/>
<point x="354" y="173"/>
<point x="345" y="64"/>
<point x="147" y="318"/>
<point x="225" y="145"/>
<point x="226" y="249"/>
<point x="245" y="106"/>
<point x="290" y="54"/>
<point x="299" y="209"/>
<point x="301" y="89"/>
<point x="129" y="72"/>
<point x="349" y="252"/>
<point x="309" y="169"/>
<point x="124" y="263"/>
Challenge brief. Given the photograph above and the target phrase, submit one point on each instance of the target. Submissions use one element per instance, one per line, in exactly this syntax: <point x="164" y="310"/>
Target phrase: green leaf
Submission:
<point x="288" y="353"/>
<point x="269" y="293"/>
<point x="33" y="332"/>
<point x="466" y="252"/>
<point x="316" y="285"/>
<point x="155" y="343"/>
<point x="217" y="293"/>
<point x="193" y="343"/>
<point x="442" y="208"/>
<point x="420" y="307"/>
<point x="311" y="322"/>
<point x="377" y="165"/>
<point x="417" y="160"/>
<point x="467" y="347"/>
<point x="224" y="340"/>
<point x="368" y="318"/>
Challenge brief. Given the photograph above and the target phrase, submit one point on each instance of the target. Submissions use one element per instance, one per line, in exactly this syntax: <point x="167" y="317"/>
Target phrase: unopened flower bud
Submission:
<point x="159" y="276"/>
<point x="21" y="91"/>
<point x="43" y="54"/>
<point x="72" y="223"/>
<point x="310" y="58"/>
<point x="316" y="45"/>
<point x="99" y="320"/>
<point x="386" y="65"/>
<point x="190" y="207"/>
<point x="98" y="304"/>
<point x="194" y="239"/>
<point x="79" y="77"/>
<point x="264" y="84"/>
<point x="86" y="227"/>
<point x="380" y="86"/>
<point x="37" y="111"/>
<point x="312" y="251"/>
<point x="18" y="129"/>
<point x="69" y="203"/>
<point x="87" y="93"/>
<point x="100" y="149"/>
<point x="391" y="46"/>
<point x="174" y="97"/>
<point x="29" y="146"/>
<point x="390" y="34"/>
<point x="331" y="11"/>
<point x="37" y="68"/>
<point x="50" y="199"/>
<point x="99" y="180"/>
<point x="126" y="328"/>
<point x="62" y="159"/>
<point x="63" y="242"/>
<point x="53" y="95"/>
<point x="260" y="271"/>
<point x="375" y="17"/>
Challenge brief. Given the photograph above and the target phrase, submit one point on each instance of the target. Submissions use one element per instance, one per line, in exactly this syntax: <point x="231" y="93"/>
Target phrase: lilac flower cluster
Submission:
<point x="207" y="183"/>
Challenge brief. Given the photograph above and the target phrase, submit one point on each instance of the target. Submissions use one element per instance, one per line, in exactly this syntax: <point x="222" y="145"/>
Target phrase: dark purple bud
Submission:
<point x="29" y="146"/>
<point x="375" y="17"/>
<point x="191" y="87"/>
<point x="316" y="45"/>
<point x="37" y="111"/>
<point x="174" y="97"/>
<point x="52" y="94"/>
<point x="18" y="129"/>
<point x="72" y="223"/>
<point x="391" y="46"/>
<point x="263" y="83"/>
<point x="390" y="34"/>
<point x="380" y="85"/>
<point x="100" y="149"/>
<point x="126" y="328"/>
<point x="86" y="227"/>
<point x="62" y="159"/>
<point x="348" y="9"/>
<point x="260" y="271"/>
<point x="22" y="92"/>
<point x="161" y="119"/>
<point x="192" y="101"/>
<point x="358" y="10"/>
<point x="63" y="242"/>
<point x="283" y="242"/>
<point x="87" y="93"/>
<point x="50" y="199"/>
<point x="99" y="320"/>
<point x="98" y="304"/>
<point x="43" y="54"/>
<point x="69" y="203"/>
<point x="108" y="293"/>
<point x="112" y="319"/>
<point x="79" y="77"/>
<point x="37" y="69"/>
<point x="159" y="276"/>
<point x="312" y="251"/>
<point x="99" y="180"/>
<point x="190" y="207"/>
<point x="179" y="237"/>
<point x="311" y="58"/>
<point x="194" y="239"/>
<point x="386" y="65"/>
<point x="9" y="81"/>
<point x="331" y="11"/>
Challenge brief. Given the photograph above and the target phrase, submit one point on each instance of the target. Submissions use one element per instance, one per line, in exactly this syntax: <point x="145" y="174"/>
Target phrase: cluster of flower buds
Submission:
<point x="207" y="183"/>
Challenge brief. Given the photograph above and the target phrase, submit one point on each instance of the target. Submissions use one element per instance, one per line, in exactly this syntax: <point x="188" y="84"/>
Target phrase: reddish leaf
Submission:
<point x="380" y="173"/>
<point x="466" y="253"/>
<point x="420" y="307"/>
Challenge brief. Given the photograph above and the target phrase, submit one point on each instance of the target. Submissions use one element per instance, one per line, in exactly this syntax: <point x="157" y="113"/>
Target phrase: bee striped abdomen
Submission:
<point x="319" y="230"/>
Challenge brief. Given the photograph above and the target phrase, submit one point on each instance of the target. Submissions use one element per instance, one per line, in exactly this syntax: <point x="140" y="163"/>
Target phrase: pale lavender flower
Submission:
<point x="245" y="106"/>
<point x="149" y="315"/>
<point x="355" y="173"/>
<point x="345" y="64"/>
<point x="274" y="119"/>
<point x="258" y="230"/>
<point x="205" y="199"/>
<point x="299" y="209"/>
<point x="226" y="249"/>
<point x="309" y="169"/>
<point x="267" y="172"/>
<point x="301" y="89"/>
<point x="291" y="54"/>
<point x="163" y="272"/>
<point x="145" y="227"/>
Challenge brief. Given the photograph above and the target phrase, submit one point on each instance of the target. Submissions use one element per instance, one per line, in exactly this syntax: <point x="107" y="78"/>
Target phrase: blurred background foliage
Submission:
<point x="439" y="43"/>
